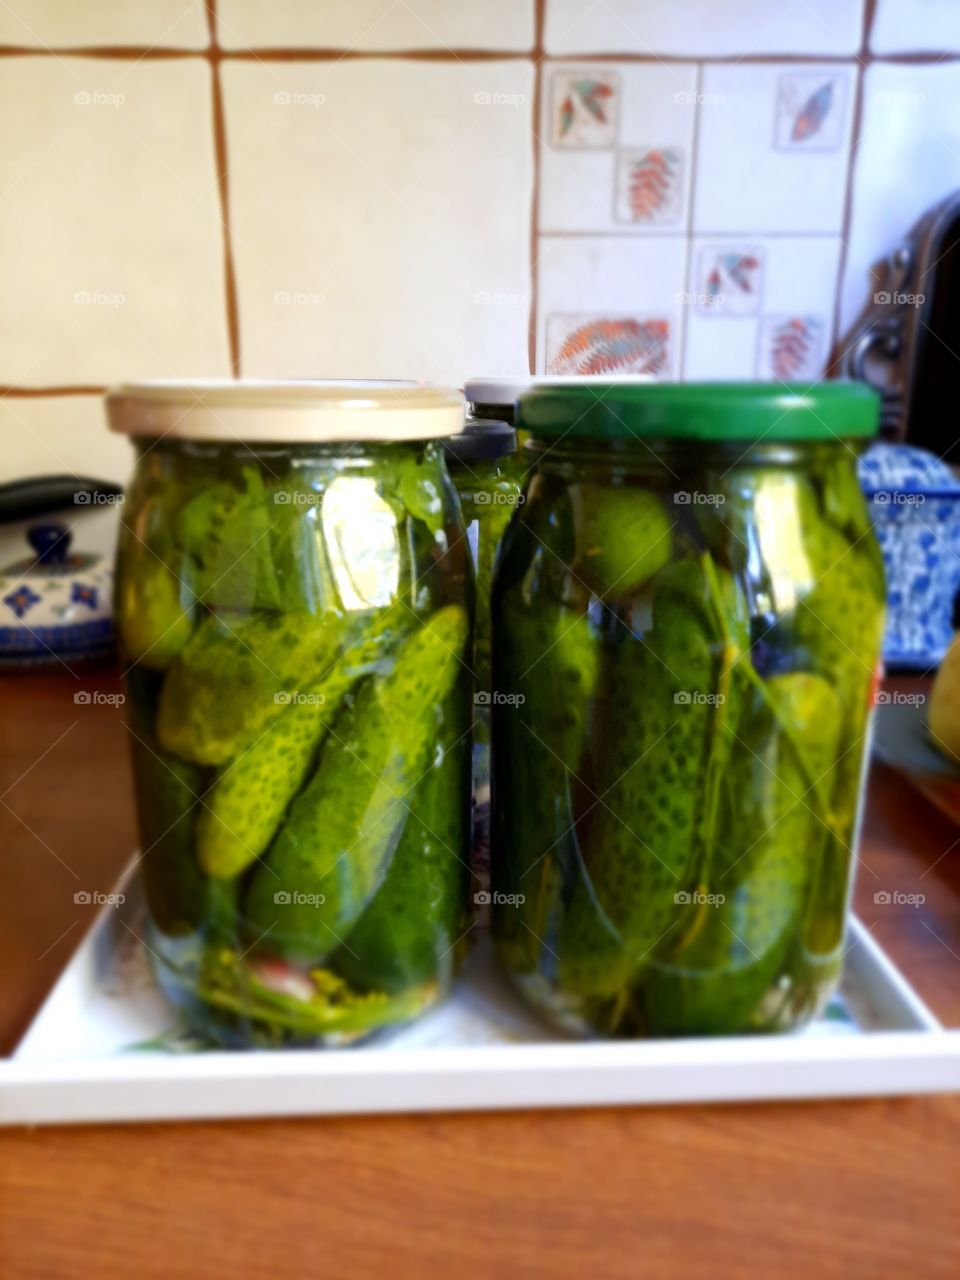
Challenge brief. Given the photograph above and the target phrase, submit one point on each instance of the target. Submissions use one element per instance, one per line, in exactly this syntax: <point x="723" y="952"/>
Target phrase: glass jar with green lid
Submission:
<point x="294" y="598"/>
<point x="687" y="618"/>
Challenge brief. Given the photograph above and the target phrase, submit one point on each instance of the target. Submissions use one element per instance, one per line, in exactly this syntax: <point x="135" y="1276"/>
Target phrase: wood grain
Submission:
<point x="861" y="1189"/>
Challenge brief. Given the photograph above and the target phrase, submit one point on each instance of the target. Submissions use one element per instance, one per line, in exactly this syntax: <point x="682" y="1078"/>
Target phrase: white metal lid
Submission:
<point x="497" y="391"/>
<point x="285" y="412"/>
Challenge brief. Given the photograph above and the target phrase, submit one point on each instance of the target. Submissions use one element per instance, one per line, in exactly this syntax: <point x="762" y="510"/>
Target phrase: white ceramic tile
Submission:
<point x="376" y="24"/>
<point x="54" y="435"/>
<point x="703" y="27"/>
<point x="773" y="145"/>
<point x="908" y="159"/>
<point x="778" y="327"/>
<point x="383" y="230"/>
<point x="70" y="23"/>
<point x="111" y="253"/>
<point x="610" y="304"/>
<point x="615" y="146"/>
<point x="904" y="26"/>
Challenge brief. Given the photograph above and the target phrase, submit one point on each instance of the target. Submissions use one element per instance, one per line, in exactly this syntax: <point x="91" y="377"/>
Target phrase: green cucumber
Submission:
<point x="334" y="848"/>
<point x="167" y="791"/>
<point x="623" y="538"/>
<point x="547" y="662"/>
<point x="230" y="680"/>
<point x="246" y="805"/>
<point x="641" y="846"/>
<point x="408" y="933"/>
<point x="745" y="919"/>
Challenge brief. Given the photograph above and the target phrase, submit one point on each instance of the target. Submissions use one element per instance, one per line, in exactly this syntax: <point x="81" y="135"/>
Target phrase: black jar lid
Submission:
<point x="481" y="440"/>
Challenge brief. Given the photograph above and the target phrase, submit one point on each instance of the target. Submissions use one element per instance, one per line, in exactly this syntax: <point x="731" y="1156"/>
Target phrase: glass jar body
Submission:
<point x="686" y="639"/>
<point x="295" y="622"/>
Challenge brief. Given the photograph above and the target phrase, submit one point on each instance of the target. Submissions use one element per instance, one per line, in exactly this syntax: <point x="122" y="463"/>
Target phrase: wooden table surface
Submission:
<point x="845" y="1189"/>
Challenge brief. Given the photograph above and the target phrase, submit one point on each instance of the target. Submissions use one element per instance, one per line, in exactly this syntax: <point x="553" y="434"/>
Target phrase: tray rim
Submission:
<point x="921" y="1057"/>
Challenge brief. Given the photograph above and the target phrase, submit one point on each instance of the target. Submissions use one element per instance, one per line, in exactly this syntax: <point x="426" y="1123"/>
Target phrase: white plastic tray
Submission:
<point x="105" y="1046"/>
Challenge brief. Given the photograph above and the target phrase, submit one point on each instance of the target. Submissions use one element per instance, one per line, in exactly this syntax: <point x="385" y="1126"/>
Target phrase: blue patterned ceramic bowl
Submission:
<point x="914" y="502"/>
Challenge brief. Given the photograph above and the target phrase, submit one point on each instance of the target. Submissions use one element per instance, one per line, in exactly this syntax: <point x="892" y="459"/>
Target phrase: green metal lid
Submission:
<point x="625" y="409"/>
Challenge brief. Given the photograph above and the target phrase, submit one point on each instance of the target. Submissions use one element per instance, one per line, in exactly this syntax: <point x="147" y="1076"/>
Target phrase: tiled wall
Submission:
<point x="439" y="188"/>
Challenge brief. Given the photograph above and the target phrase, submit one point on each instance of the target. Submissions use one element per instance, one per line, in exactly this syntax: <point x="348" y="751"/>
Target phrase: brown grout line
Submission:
<point x="367" y="55"/>
<point x="133" y="53"/>
<point x="690" y="283"/>
<point x="856" y="126"/>
<point x="141" y="53"/>
<point x="759" y="59"/>
<point x="536" y="122"/>
<point x="668" y="232"/>
<point x="31" y="393"/>
<point x="223" y="188"/>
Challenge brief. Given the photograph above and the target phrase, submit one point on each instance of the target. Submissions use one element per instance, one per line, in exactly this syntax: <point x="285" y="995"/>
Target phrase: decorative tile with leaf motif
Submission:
<point x="585" y="345"/>
<point x="810" y="111"/>
<point x="790" y="348"/>
<point x="649" y="185"/>
<point x="584" y="108"/>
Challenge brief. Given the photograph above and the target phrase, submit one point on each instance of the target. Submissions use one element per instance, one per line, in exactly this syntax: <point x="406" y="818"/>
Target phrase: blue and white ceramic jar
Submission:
<point x="56" y="585"/>
<point x="915" y="506"/>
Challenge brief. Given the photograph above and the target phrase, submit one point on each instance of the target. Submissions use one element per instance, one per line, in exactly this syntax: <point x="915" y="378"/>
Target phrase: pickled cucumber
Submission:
<point x="744" y="919"/>
<point x="244" y="808"/>
<point x="334" y="848"/>
<point x="233" y="678"/>
<point x="152" y="623"/>
<point x="410" y="929"/>
<point x="642" y="843"/>
<point x="167" y="793"/>
<point x="623" y="537"/>
<point x="548" y="665"/>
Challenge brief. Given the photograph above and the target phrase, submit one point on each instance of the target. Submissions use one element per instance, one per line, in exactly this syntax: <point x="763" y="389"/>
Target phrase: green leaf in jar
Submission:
<point x="224" y="531"/>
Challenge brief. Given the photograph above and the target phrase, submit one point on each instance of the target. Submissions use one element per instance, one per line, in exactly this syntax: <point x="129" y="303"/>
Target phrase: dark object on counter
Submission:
<point x="904" y="341"/>
<point x="56" y="603"/>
